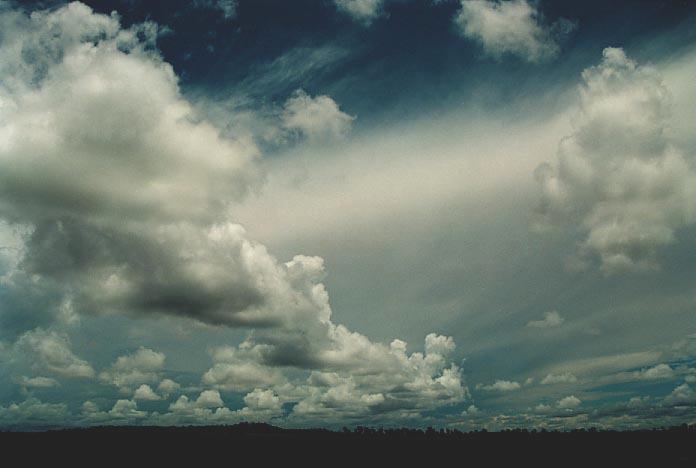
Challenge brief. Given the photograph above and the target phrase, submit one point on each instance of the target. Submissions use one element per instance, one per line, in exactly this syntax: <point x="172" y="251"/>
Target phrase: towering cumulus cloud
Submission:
<point x="120" y="197"/>
<point x="618" y="179"/>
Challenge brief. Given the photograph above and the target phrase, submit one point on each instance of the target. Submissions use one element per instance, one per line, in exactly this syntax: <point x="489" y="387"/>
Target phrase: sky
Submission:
<point x="323" y="213"/>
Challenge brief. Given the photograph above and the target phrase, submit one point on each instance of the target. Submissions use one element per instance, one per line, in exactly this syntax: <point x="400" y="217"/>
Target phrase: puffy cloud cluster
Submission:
<point x="32" y="412"/>
<point x="50" y="351"/>
<point x="122" y="197"/>
<point x="618" y="179"/>
<point x="352" y="378"/>
<point x="682" y="395"/>
<point x="364" y="11"/>
<point x="510" y="27"/>
<point x="141" y="367"/>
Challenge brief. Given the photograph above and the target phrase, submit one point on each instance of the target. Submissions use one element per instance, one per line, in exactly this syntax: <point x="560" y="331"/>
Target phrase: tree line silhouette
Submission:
<point x="665" y="445"/>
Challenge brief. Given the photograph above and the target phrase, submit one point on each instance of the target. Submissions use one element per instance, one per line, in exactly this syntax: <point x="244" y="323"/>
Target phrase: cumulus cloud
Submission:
<point x="50" y="351"/>
<point x="352" y="377"/>
<point x="551" y="319"/>
<point x="318" y="118"/>
<point x="141" y="367"/>
<point x="241" y="369"/>
<point x="33" y="412"/>
<point x="564" y="378"/>
<point x="660" y="371"/>
<point x="145" y="392"/>
<point x="569" y="402"/>
<point x="683" y="394"/>
<point x="502" y="386"/>
<point x="123" y="199"/>
<point x="167" y="386"/>
<point x="618" y="180"/>
<point x="513" y="27"/>
<point x="364" y="11"/>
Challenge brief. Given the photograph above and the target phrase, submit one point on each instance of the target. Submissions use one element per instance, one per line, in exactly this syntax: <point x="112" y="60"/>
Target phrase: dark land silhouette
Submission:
<point x="226" y="445"/>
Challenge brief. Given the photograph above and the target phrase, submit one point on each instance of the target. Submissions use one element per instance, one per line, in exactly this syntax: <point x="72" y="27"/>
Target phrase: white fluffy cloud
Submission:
<point x="318" y="118"/>
<point x="145" y="392"/>
<point x="167" y="386"/>
<point x="364" y="11"/>
<point x="124" y="195"/>
<point x="618" y="180"/>
<point x="509" y="27"/>
<point x="683" y="394"/>
<point x="50" y="351"/>
<point x="552" y="319"/>
<point x="569" y="402"/>
<point x="141" y="367"/>
<point x="658" y="372"/>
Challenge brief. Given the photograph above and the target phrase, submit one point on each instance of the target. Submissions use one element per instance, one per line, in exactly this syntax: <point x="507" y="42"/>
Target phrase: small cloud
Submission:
<point x="660" y="371"/>
<point x="551" y="319"/>
<point x="552" y="379"/>
<point x="318" y="118"/>
<point x="38" y="382"/>
<point x="638" y="401"/>
<point x="513" y="27"/>
<point x="363" y="11"/>
<point x="145" y="392"/>
<point x="569" y="402"/>
<point x="228" y="8"/>
<point x="502" y="386"/>
<point x="167" y="386"/>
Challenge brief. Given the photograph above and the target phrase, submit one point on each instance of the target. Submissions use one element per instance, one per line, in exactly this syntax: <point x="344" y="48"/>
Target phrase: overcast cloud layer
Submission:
<point x="186" y="248"/>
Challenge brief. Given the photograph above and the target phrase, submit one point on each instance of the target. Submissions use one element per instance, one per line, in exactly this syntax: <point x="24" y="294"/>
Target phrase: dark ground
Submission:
<point x="258" y="444"/>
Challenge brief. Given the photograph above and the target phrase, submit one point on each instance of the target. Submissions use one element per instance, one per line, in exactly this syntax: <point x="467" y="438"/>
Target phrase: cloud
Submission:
<point x="569" y="402"/>
<point x="33" y="412"/>
<point x="618" y="180"/>
<point x="228" y="8"/>
<point x="145" y="392"/>
<point x="364" y="11"/>
<point x="683" y="394"/>
<point x="551" y="319"/>
<point x="502" y="386"/>
<point x="318" y="118"/>
<point x="50" y="351"/>
<point x="125" y="198"/>
<point x="141" y="367"/>
<point x="510" y="27"/>
<point x="167" y="386"/>
<point x="553" y="379"/>
<point x="241" y="369"/>
<point x="660" y="371"/>
<point x="353" y="376"/>
<point x="38" y="382"/>
<point x="206" y="400"/>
